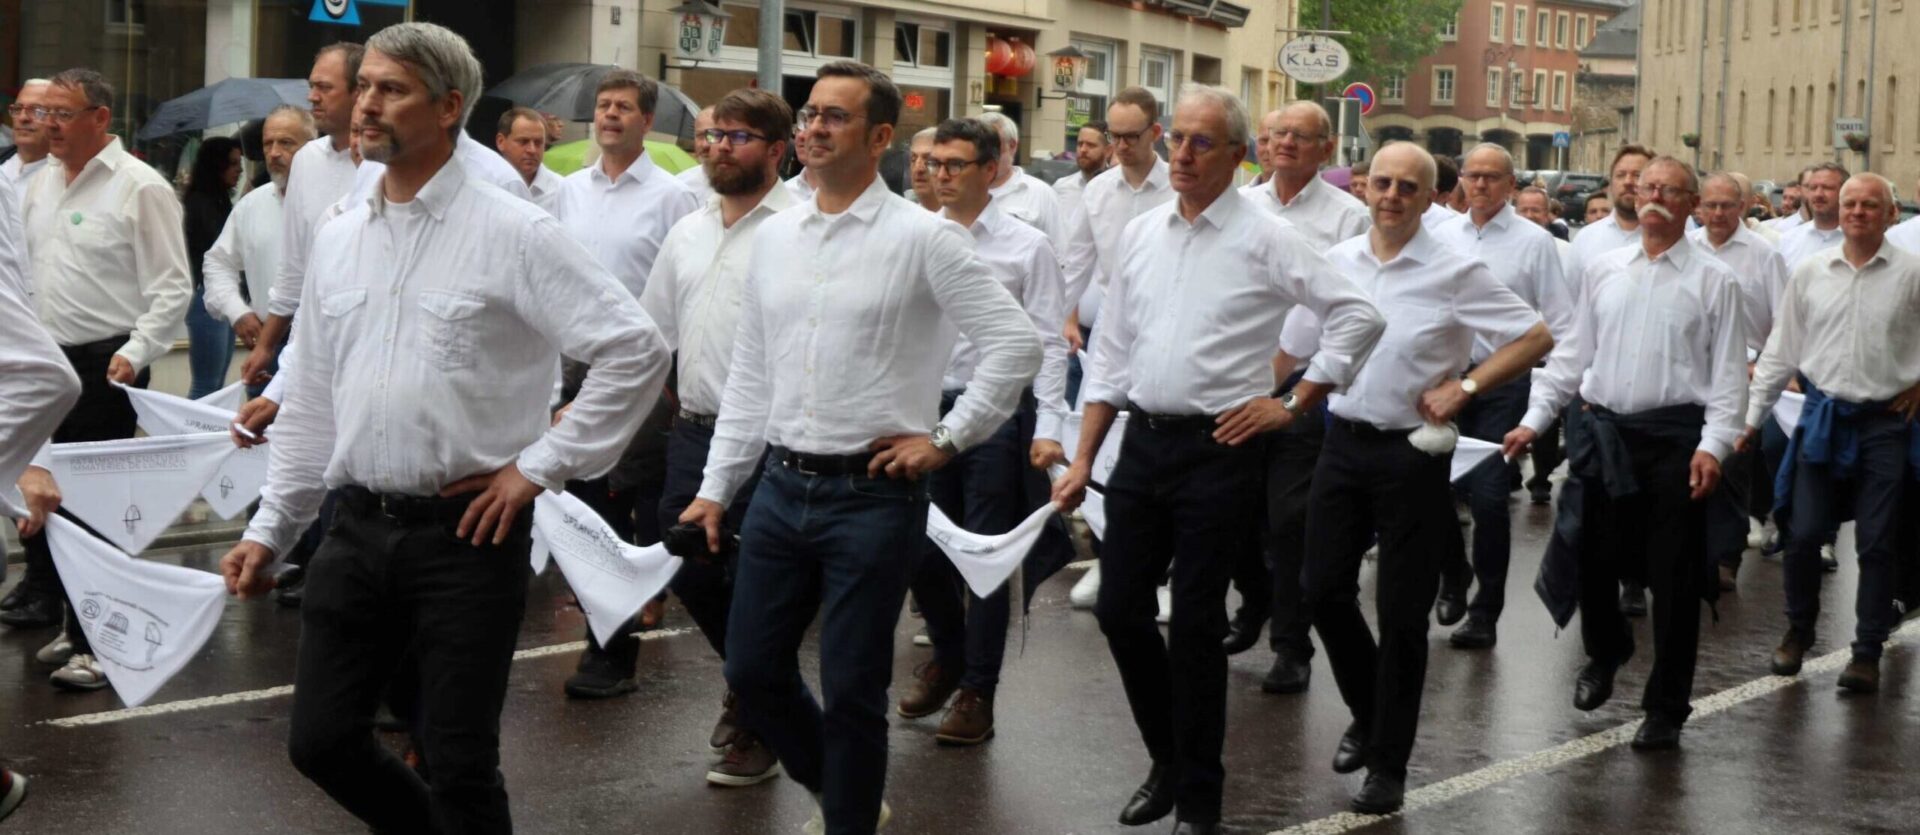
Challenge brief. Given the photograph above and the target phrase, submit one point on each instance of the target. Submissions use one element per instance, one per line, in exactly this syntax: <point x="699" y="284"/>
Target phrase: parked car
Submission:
<point x="1572" y="191"/>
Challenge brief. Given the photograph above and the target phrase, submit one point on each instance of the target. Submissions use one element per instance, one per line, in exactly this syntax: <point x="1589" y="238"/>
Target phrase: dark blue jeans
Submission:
<point x="705" y="588"/>
<point x="209" y="347"/>
<point x="1489" y="417"/>
<point x="981" y="492"/>
<point x="1875" y="492"/>
<point x="842" y="546"/>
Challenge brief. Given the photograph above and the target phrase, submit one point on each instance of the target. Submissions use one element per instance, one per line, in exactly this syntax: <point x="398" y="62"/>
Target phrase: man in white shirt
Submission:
<point x="1906" y="234"/>
<point x="1821" y="187"/>
<point x="1658" y="357"/>
<point x="1533" y="204"/>
<point x="249" y="246"/>
<point x="1379" y="478"/>
<point x="522" y="141"/>
<point x="1446" y="182"/>
<point x="847" y="319"/>
<point x="1845" y="327"/>
<point x="918" y="180"/>
<point x="979" y="489"/>
<point x="433" y="308"/>
<point x="1793" y="209"/>
<point x="29" y="134"/>
<point x="1523" y="257"/>
<point x="1622" y="226"/>
<point x="1186" y="345"/>
<point x="1021" y="195"/>
<point x="621" y="209"/>
<point x="1300" y="142"/>
<point x="802" y="184"/>
<point x="695" y="178"/>
<point x="694" y="296"/>
<point x="111" y="281"/>
<point x="1090" y="156"/>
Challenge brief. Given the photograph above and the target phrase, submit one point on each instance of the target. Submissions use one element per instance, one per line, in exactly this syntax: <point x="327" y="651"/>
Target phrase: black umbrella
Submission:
<point x="230" y="101"/>
<point x="567" y="91"/>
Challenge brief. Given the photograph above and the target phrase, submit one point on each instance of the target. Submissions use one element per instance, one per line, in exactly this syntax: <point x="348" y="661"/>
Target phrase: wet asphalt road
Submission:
<point x="1802" y="759"/>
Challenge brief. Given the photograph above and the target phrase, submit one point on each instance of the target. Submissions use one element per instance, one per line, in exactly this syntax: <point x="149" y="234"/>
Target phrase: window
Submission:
<point x="1560" y="26"/>
<point x="915" y="45"/>
<point x="1793" y="116"/>
<point x="1543" y="27"/>
<point x="1451" y="31"/>
<point x="814" y="33"/>
<point x="1560" y="91"/>
<point x="1580" y="32"/>
<point x="1538" y="95"/>
<point x="1497" y="23"/>
<point x="1893" y="116"/>
<point x="1806" y="125"/>
<point x="1516" y="94"/>
<point x="1443" y="85"/>
<point x="131" y="13"/>
<point x="1740" y="126"/>
<point x="1746" y="19"/>
<point x="1495" y="79"/>
<point x="1156" y="74"/>
<point x="1772" y="106"/>
<point x="1395" y="90"/>
<point x="1091" y="102"/>
<point x="1776" y="15"/>
<point x="1520" y="25"/>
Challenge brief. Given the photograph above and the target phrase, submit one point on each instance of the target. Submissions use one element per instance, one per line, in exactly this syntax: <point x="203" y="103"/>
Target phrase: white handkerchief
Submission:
<point x="1109" y="456"/>
<point x="230" y="398"/>
<point x="539" y="554"/>
<point x="237" y="483"/>
<point x="1469" y="454"/>
<point x="1093" y="508"/>
<point x="1434" y="440"/>
<point x="164" y="414"/>
<point x="611" y="578"/>
<point x="986" y="561"/>
<point x="131" y="490"/>
<point x="1786" y="410"/>
<point x="146" y="620"/>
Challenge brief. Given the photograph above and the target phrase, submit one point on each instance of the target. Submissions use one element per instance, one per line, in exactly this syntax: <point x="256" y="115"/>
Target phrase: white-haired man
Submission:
<point x="29" y="134"/>
<point x="249" y="245"/>
<point x="1016" y="192"/>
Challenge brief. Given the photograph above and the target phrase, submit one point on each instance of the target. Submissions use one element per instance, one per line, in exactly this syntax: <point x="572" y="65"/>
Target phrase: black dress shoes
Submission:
<point x="1382" y="794"/>
<point x="1476" y="633"/>
<point x="1595" y="685"/>
<point x="1152" y="801"/>
<point x="1243" y="633"/>
<point x="1451" y="605"/>
<point x="1657" y="733"/>
<point x="38" y="610"/>
<point x="1191" y="828"/>
<point x="1633" y="600"/>
<point x="1290" y="674"/>
<point x="1352" y="753"/>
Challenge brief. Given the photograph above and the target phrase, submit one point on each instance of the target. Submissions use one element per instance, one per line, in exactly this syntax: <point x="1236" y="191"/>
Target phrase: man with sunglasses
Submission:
<point x="621" y="210"/>
<point x="980" y="489"/>
<point x="693" y="295"/>
<point x="1196" y="301"/>
<point x="29" y="134"/>
<point x="846" y="322"/>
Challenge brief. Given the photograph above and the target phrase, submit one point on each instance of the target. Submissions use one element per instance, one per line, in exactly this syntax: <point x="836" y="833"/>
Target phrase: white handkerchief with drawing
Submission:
<point x="1109" y="455"/>
<point x="1468" y="455"/>
<point x="131" y="490"/>
<point x="164" y="414"/>
<point x="986" y="561"/>
<point x="1786" y="410"/>
<point x="611" y="578"/>
<point x="145" y="620"/>
<point x="230" y="398"/>
<point x="237" y="483"/>
<point x="1093" y="508"/>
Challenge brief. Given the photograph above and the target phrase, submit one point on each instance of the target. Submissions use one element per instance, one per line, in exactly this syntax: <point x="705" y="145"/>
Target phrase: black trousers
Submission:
<point x="1292" y="455"/>
<point x="1547" y="456"/>
<point x="1660" y="533"/>
<point x="1372" y="483"/>
<point x="378" y="588"/>
<point x="982" y="490"/>
<point x="1490" y="417"/>
<point x="1178" y="498"/>
<point x="1873" y="494"/>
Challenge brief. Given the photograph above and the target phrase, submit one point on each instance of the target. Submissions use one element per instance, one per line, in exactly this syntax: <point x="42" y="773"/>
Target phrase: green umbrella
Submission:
<point x="569" y="157"/>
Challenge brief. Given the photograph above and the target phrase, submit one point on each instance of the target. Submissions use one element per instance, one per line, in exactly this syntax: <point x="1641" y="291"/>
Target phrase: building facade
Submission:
<point x="1504" y="73"/>
<point x="1605" y="91"/>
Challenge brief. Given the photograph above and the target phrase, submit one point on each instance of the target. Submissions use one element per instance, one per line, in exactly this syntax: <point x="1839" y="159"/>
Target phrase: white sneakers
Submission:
<point x="55" y="652"/>
<point x="818" y="825"/>
<point x="1166" y="604"/>
<point x="1087" y="590"/>
<point x="1756" y="533"/>
<point x="81" y="673"/>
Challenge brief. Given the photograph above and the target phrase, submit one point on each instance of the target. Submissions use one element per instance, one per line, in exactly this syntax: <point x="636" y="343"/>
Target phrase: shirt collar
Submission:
<point x="865" y="207"/>
<point x="639" y="171"/>
<point x="1680" y="254"/>
<point x="1011" y="185"/>
<point x="1217" y="214"/>
<point x="989" y="219"/>
<point x="1499" y="221"/>
<point x="434" y="197"/>
<point x="110" y="157"/>
<point x="1879" y="257"/>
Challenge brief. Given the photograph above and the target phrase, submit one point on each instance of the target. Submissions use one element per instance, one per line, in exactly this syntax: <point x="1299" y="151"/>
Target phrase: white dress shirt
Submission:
<point x="19" y="171"/>
<point x="319" y="177"/>
<point x="1068" y="191"/>
<point x="695" y="179"/>
<point x="545" y="188"/>
<point x="427" y="324"/>
<point x="109" y="255"/>
<point x="1194" y="310"/>
<point x="1594" y="240"/>
<point x="1906" y="235"/>
<point x="1523" y="257"/>
<point x="1436" y="214"/>
<point x="1107" y="205"/>
<point x="1325" y="215"/>
<point x="249" y="244"/>
<point x="695" y="290"/>
<point x="801" y="188"/>
<point x="14" y="270"/>
<point x="1783" y="225"/>
<point x="1850" y="331"/>
<point x="37" y="384"/>
<point x="1022" y="259"/>
<point x="1650" y="334"/>
<point x="1762" y="274"/>
<point x="1808" y="240"/>
<point x="1027" y="199"/>
<point x="623" y="221"/>
<point x="1438" y="302"/>
<point x="847" y="323"/>
<point x="1765" y="232"/>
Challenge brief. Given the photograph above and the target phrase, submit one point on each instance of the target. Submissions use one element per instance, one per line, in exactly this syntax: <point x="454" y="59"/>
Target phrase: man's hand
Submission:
<point x="120" y="370"/>
<point x="256" y="415"/>
<point x="1703" y="475"/>
<point x="708" y="515"/>
<point x="505" y="493"/>
<point x="1045" y="453"/>
<point x="244" y="568"/>
<point x="561" y="413"/>
<point x="248" y="329"/>
<point x="1907" y="403"/>
<point x="1518" y="441"/>
<point x="43" y="497"/>
<point x="1441" y="403"/>
<point x="906" y="456"/>
<point x="1251" y="419"/>
<point x="1072" y="333"/>
<point x="1071" y="489"/>
<point x="254" y="370"/>
<point x="1746" y="440"/>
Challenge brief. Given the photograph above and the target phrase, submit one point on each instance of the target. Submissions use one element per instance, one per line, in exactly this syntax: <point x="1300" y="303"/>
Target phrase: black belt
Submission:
<point x="1137" y="416"/>
<point x="102" y="348"/>
<point x="695" y="418"/>
<point x="834" y="465"/>
<point x="411" y="509"/>
<point x="1366" y="430"/>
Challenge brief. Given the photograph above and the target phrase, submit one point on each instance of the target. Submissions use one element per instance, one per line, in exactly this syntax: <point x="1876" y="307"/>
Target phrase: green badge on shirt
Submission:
<point x="76" y="218"/>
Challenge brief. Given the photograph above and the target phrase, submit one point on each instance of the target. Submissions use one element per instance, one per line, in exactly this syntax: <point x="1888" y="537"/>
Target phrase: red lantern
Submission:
<point x="1023" y="59"/>
<point x="999" y="55"/>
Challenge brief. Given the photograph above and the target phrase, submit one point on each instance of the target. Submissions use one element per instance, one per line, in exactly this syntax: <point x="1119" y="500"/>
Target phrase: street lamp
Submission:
<point x="1068" y="67"/>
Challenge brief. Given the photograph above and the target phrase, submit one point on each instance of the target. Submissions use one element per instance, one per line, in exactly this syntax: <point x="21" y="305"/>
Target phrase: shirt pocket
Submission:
<point x="447" y="337"/>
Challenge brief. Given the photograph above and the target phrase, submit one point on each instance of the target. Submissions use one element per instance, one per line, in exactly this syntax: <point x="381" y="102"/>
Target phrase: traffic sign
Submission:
<point x="1314" y="59"/>
<point x="1562" y="139"/>
<point x="1843" y="127"/>
<point x="1360" y="90"/>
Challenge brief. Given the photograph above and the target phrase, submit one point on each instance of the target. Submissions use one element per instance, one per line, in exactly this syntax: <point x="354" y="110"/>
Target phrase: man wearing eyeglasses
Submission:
<point x="918" y="177"/>
<point x="28" y="112"/>
<point x="980" y="489"/>
<point x="694" y="296"/>
<point x="111" y="282"/>
<point x="1658" y="357"/>
<point x="1195" y="307"/>
<point x="846" y="322"/>
<point x="621" y="210"/>
<point x="695" y="178"/>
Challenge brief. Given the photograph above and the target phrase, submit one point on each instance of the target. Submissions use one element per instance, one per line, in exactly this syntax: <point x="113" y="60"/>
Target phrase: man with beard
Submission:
<point x="250" y="243"/>
<point x="1821" y="187"/>
<point x="1090" y="155"/>
<point x="693" y="295"/>
<point x="1793" y="208"/>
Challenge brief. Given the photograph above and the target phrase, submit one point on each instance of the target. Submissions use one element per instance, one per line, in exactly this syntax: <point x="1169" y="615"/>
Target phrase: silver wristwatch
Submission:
<point x="1291" y="403"/>
<point x="943" y="440"/>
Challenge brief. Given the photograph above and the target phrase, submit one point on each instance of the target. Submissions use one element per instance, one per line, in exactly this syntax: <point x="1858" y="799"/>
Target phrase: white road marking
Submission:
<point x="1454" y="788"/>
<point x="1081" y="565"/>
<point x="107" y="717"/>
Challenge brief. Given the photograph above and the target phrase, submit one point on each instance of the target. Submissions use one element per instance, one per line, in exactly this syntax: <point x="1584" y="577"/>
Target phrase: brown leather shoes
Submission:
<point x="1862" y="675"/>
<point x="969" y="721"/>
<point x="1792" y="649"/>
<point x="928" y="693"/>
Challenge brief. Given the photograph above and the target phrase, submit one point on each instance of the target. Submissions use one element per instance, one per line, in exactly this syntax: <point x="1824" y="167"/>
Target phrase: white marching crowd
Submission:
<point x="801" y="400"/>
